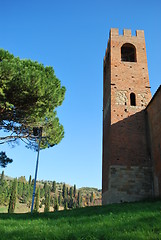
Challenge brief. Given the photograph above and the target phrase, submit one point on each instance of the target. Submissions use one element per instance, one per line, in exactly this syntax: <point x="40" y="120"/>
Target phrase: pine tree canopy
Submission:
<point x="4" y="160"/>
<point x="29" y="95"/>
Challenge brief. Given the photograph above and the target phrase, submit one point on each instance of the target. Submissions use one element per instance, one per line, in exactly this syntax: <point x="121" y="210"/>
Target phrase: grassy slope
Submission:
<point x="132" y="221"/>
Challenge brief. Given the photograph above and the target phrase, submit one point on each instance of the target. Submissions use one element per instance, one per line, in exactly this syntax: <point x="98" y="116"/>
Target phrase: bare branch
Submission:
<point x="13" y="137"/>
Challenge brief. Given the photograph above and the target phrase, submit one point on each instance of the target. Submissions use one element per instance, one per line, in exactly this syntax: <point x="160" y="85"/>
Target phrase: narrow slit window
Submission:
<point x="132" y="99"/>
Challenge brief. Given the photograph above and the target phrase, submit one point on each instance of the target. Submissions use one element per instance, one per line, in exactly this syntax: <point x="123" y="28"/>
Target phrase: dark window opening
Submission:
<point x="128" y="53"/>
<point x="132" y="99"/>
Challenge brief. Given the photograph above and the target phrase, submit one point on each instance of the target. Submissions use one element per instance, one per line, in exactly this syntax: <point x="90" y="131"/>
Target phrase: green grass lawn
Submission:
<point x="133" y="221"/>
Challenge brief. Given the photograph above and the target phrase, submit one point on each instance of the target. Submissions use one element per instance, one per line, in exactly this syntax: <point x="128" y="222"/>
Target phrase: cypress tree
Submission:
<point x="65" y="205"/>
<point x="47" y="201"/>
<point x="30" y="180"/>
<point x="46" y="187"/>
<point x="74" y="192"/>
<point x="60" y="199"/>
<point x="53" y="187"/>
<point x="67" y="191"/>
<point x="2" y="177"/>
<point x="3" y="191"/>
<point x="12" y="202"/>
<point x="79" y="199"/>
<point x="24" y="193"/>
<point x="20" y="188"/>
<point x="71" y="192"/>
<point x="64" y="192"/>
<point x="71" y="203"/>
<point x="42" y="192"/>
<point x="56" y="204"/>
<point x="91" y="198"/>
<point x="37" y="195"/>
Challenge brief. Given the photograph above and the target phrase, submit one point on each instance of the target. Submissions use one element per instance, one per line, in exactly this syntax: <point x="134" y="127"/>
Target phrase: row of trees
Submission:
<point x="47" y="195"/>
<point x="10" y="190"/>
<point x="64" y="198"/>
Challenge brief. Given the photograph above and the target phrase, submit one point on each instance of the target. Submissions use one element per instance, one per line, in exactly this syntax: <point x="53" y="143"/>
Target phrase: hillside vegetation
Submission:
<point x="125" y="221"/>
<point x="50" y="195"/>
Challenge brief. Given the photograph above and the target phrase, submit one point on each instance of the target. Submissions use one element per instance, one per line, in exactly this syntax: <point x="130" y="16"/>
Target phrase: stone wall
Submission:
<point x="128" y="184"/>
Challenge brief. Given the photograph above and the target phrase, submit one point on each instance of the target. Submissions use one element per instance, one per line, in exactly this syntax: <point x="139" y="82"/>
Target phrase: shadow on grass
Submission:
<point x="88" y="211"/>
<point x="144" y="227"/>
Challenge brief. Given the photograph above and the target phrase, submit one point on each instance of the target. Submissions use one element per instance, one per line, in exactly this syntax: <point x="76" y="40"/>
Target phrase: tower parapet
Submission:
<point x="126" y="32"/>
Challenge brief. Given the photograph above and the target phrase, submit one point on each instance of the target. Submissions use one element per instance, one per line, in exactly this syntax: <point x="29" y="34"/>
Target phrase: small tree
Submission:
<point x="56" y="204"/>
<point x="30" y="180"/>
<point x="60" y="199"/>
<point x="4" y="191"/>
<point x="79" y="199"/>
<point x="65" y="205"/>
<point x="64" y="192"/>
<point x="2" y="177"/>
<point x="91" y="198"/>
<point x="71" y="192"/>
<point x="42" y="192"/>
<point x="37" y="200"/>
<point x="74" y="192"/>
<point x="20" y="188"/>
<point x="53" y="189"/>
<point x="12" y="202"/>
<point x="22" y="179"/>
<point x="47" y="201"/>
<point x="46" y="187"/>
<point x="87" y="199"/>
<point x="71" y="203"/>
<point x="67" y="191"/>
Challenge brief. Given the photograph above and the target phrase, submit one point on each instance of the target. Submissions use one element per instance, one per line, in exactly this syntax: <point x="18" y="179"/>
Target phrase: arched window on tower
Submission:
<point x="132" y="99"/>
<point x="128" y="53"/>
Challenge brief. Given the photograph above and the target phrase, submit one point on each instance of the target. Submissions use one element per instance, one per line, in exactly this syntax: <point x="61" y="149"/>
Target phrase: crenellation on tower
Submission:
<point x="140" y="33"/>
<point x="114" y="32"/>
<point x="127" y="32"/>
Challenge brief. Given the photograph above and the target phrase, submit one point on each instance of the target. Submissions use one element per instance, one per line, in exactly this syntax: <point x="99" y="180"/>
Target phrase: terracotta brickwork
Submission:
<point x="154" y="123"/>
<point x="127" y="165"/>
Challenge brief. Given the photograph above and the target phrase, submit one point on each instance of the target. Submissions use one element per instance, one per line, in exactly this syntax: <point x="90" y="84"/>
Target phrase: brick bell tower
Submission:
<point x="126" y="164"/>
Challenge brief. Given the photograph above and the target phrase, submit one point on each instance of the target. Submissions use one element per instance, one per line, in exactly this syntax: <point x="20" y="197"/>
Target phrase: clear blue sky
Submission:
<point x="72" y="37"/>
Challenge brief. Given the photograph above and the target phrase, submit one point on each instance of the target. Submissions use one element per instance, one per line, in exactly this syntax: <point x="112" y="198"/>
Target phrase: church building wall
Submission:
<point x="154" y="125"/>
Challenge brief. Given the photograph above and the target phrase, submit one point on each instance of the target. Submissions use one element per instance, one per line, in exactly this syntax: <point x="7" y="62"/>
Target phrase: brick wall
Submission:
<point x="106" y="117"/>
<point x="154" y="123"/>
